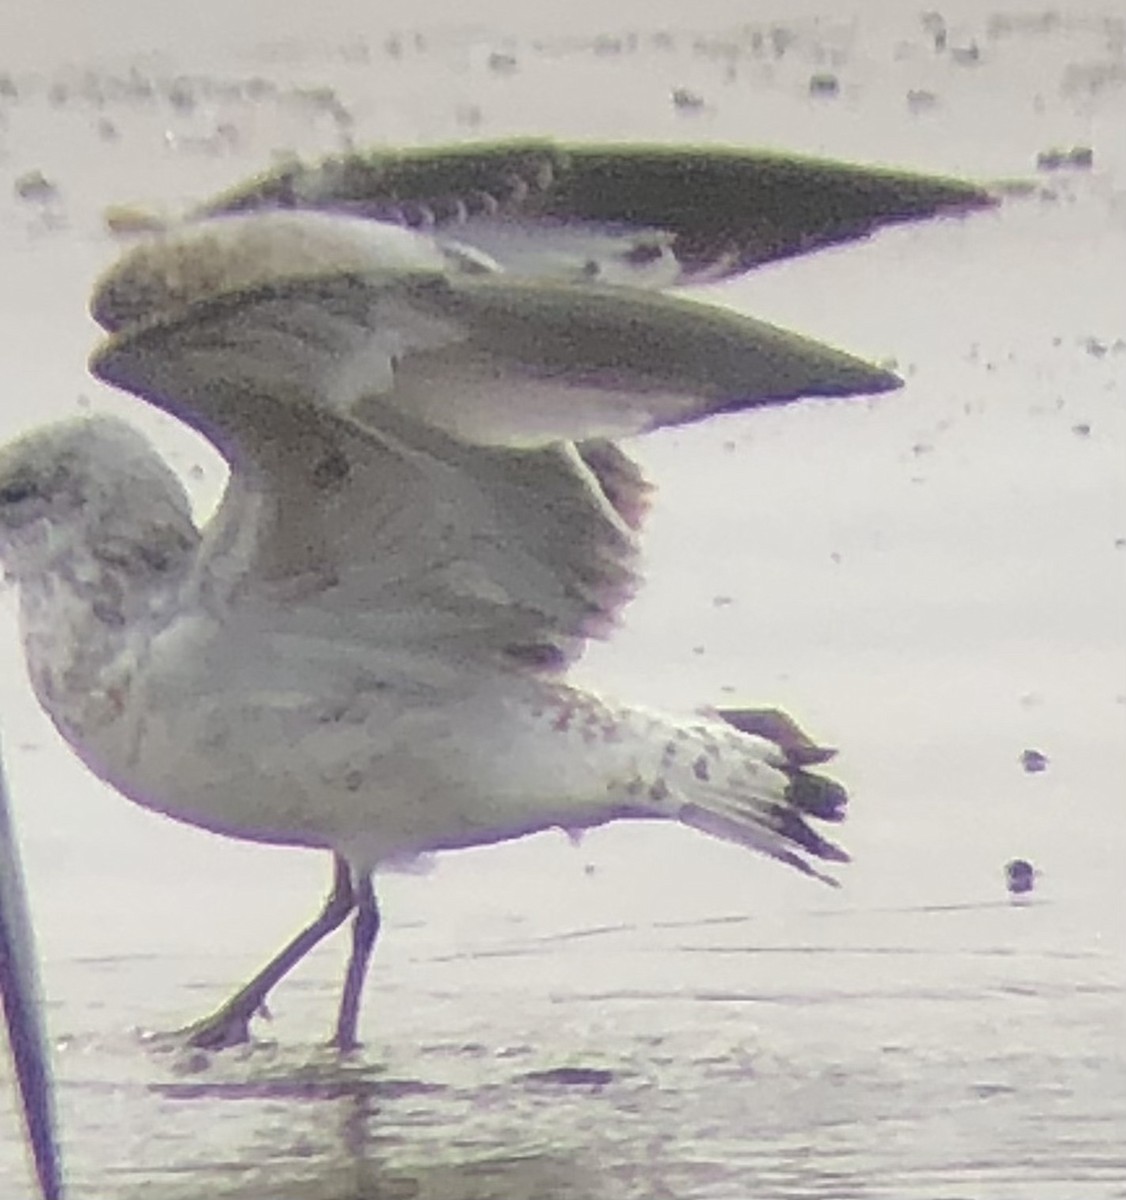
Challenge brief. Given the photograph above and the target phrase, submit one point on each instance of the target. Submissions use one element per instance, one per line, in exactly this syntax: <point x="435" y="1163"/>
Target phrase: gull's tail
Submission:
<point x="744" y="778"/>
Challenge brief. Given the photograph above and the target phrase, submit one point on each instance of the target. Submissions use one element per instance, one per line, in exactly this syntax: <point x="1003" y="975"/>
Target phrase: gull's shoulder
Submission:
<point x="235" y="253"/>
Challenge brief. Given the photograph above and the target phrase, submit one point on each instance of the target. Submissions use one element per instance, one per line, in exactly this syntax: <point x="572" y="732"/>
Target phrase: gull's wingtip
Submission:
<point x="793" y="367"/>
<point x="905" y="195"/>
<point x="881" y="380"/>
<point x="762" y="205"/>
<point x="19" y="992"/>
<point x="730" y="208"/>
<point x="855" y="377"/>
<point x="885" y="381"/>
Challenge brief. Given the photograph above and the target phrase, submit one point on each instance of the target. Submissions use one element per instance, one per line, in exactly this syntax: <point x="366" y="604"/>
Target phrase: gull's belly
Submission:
<point x="375" y="772"/>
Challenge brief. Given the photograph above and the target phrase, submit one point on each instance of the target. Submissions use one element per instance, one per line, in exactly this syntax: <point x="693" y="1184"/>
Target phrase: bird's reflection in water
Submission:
<point x="338" y="1130"/>
<point x="530" y="1177"/>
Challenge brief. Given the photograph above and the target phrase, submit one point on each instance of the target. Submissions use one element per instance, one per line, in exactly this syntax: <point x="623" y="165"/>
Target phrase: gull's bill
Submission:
<point x="646" y="215"/>
<point x="19" y="990"/>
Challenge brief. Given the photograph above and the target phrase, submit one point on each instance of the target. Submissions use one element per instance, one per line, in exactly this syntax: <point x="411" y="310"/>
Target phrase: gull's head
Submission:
<point x="89" y="479"/>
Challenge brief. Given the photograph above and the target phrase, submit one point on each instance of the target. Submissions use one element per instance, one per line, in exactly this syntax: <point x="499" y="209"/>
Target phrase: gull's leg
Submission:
<point x="229" y="1025"/>
<point x="365" y="928"/>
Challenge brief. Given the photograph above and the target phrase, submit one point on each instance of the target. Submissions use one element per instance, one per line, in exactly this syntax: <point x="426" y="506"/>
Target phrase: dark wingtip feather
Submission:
<point x="730" y="209"/>
<point x="817" y="796"/>
<point x="781" y="729"/>
<point x="789" y="824"/>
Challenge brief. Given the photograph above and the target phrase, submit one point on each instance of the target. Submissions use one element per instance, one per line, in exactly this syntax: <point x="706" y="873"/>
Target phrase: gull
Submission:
<point x="418" y="368"/>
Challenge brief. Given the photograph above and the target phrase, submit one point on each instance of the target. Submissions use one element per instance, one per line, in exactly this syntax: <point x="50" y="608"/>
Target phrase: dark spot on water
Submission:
<point x="195" y="1062"/>
<point x="824" y="83"/>
<point x="570" y="1077"/>
<point x="1034" y="761"/>
<point x="458" y="1049"/>
<point x="919" y="100"/>
<point x="298" y="1087"/>
<point x="1075" y="158"/>
<point x="987" y="1090"/>
<point x="502" y="62"/>
<point x="35" y="187"/>
<point x="1020" y="876"/>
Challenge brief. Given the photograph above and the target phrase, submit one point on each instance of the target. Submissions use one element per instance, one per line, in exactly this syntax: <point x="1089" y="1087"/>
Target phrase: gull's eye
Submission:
<point x="18" y="491"/>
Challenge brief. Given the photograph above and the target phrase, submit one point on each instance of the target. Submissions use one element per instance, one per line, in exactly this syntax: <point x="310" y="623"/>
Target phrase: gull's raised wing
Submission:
<point x="436" y="447"/>
<point x="644" y="214"/>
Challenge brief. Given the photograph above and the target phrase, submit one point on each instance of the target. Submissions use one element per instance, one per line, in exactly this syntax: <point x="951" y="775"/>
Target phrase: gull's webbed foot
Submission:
<point x="229" y="1025"/>
<point x="226" y="1027"/>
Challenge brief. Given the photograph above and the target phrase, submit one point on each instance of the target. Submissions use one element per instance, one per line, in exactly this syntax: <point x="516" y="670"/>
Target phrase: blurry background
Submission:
<point x="933" y="581"/>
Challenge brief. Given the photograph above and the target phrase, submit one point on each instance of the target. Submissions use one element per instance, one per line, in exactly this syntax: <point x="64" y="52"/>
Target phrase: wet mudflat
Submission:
<point x="934" y="581"/>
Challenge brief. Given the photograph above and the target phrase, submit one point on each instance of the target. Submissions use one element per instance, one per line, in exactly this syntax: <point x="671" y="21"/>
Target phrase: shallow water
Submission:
<point x="934" y="581"/>
<point x="969" y="1049"/>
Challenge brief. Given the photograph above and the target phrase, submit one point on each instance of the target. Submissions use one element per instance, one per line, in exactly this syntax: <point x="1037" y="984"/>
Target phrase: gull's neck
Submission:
<point x="89" y="607"/>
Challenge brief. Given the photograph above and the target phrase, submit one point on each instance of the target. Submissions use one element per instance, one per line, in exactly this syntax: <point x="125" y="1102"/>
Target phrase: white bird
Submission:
<point x="427" y="516"/>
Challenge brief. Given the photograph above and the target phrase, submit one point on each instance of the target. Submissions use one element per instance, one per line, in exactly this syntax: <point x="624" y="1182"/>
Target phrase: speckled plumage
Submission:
<point x="426" y="518"/>
<point x="417" y="367"/>
<point x="267" y="720"/>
